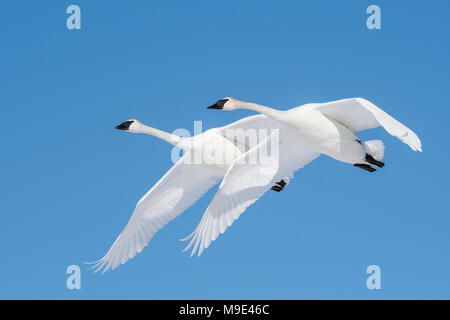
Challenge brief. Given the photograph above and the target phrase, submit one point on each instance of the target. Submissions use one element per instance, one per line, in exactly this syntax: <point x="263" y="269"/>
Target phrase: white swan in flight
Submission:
<point x="183" y="184"/>
<point x="305" y="133"/>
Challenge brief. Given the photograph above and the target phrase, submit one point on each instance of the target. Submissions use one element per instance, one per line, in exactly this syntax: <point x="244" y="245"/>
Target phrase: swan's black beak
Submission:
<point x="215" y="106"/>
<point x="125" y="125"/>
<point x="219" y="104"/>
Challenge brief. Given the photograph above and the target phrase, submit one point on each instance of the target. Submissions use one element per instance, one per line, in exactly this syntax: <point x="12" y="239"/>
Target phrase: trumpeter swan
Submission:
<point x="305" y="133"/>
<point x="183" y="184"/>
<point x="329" y="128"/>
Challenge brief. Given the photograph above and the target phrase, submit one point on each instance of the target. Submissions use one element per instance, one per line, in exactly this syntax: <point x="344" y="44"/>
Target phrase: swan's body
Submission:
<point x="329" y="128"/>
<point x="206" y="160"/>
<point x="305" y="133"/>
<point x="323" y="134"/>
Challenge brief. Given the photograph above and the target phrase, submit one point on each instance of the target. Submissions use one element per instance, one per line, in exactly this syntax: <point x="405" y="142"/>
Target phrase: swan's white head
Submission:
<point x="131" y="125"/>
<point x="226" y="103"/>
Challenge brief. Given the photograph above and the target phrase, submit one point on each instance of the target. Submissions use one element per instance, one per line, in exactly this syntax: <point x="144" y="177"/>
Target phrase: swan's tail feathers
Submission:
<point x="375" y="149"/>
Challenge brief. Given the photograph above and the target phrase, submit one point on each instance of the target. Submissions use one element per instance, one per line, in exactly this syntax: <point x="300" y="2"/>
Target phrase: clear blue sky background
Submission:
<point x="70" y="181"/>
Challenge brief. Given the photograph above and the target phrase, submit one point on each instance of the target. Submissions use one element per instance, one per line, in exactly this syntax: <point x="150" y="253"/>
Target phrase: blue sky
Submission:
<point x="70" y="181"/>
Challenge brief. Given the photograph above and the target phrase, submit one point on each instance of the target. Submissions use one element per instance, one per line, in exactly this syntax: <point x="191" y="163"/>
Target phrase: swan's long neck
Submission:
<point x="270" y="112"/>
<point x="170" y="138"/>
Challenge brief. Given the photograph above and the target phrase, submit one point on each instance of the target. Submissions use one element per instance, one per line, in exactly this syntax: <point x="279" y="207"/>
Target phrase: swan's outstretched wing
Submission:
<point x="360" y="114"/>
<point x="244" y="183"/>
<point x="176" y="191"/>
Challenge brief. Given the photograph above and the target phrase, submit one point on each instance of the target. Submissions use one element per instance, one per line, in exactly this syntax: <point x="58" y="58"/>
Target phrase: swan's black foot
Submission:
<point x="371" y="160"/>
<point x="279" y="186"/>
<point x="365" y="167"/>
